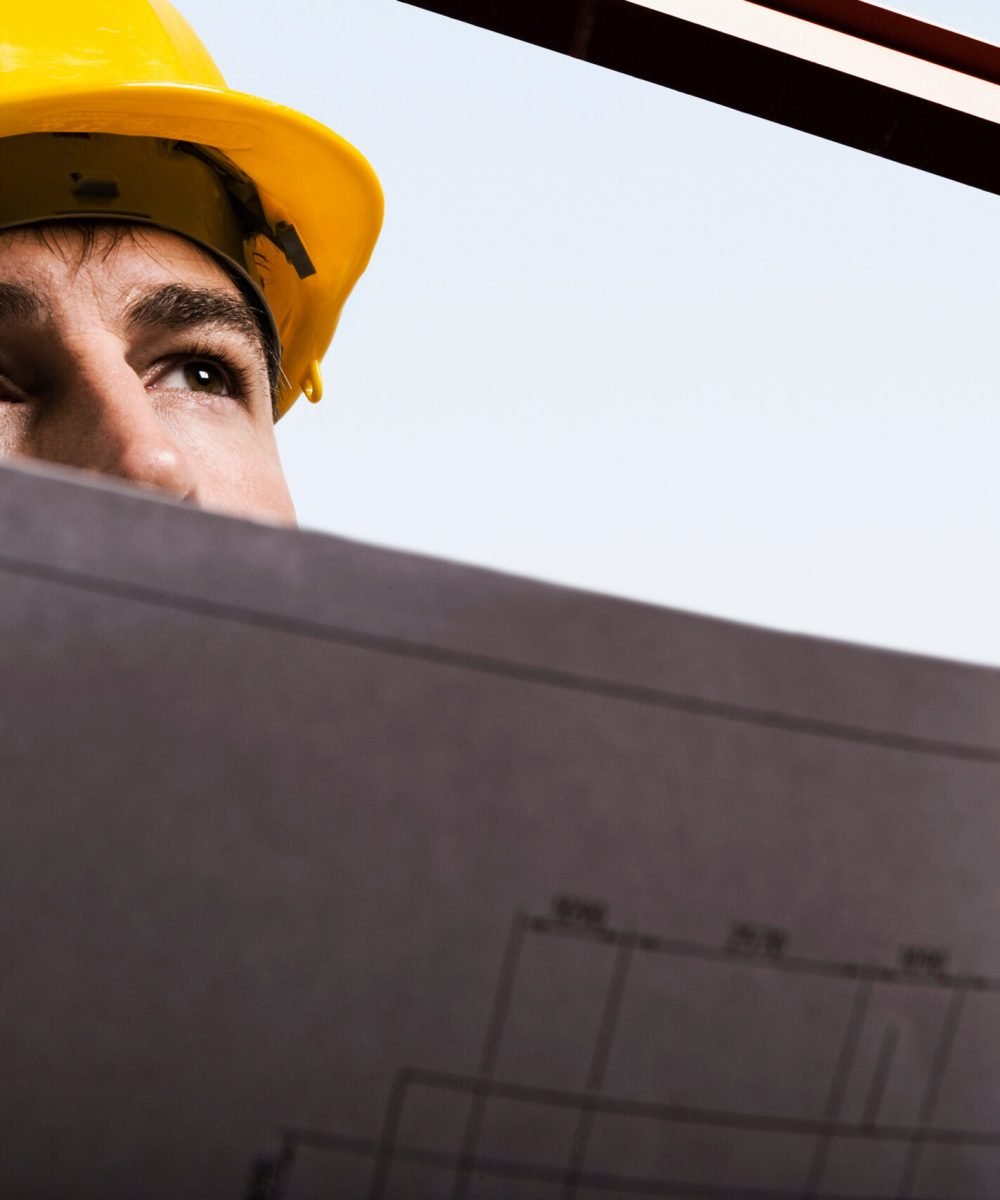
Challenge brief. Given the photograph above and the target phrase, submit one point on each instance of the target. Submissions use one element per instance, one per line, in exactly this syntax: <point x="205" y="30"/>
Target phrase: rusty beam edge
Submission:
<point x="897" y="31"/>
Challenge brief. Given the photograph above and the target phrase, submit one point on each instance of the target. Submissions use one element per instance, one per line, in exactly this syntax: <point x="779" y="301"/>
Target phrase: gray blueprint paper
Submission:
<point x="333" y="872"/>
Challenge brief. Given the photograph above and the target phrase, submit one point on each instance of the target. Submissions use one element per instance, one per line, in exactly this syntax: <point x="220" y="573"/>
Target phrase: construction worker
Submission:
<point x="174" y="255"/>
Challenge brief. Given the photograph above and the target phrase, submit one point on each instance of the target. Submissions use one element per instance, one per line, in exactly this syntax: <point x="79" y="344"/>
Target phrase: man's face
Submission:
<point x="137" y="357"/>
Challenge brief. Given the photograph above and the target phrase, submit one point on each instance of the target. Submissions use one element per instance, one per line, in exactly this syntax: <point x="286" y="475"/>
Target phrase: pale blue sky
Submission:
<point x="628" y="340"/>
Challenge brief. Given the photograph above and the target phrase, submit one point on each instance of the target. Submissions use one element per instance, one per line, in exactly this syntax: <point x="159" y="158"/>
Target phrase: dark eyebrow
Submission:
<point x="178" y="306"/>
<point x="18" y="303"/>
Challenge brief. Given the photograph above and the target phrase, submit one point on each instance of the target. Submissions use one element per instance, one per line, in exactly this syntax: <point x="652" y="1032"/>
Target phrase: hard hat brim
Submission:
<point x="305" y="173"/>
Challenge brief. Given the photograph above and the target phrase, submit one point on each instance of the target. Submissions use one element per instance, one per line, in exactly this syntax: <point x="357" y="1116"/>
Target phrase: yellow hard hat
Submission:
<point x="136" y="68"/>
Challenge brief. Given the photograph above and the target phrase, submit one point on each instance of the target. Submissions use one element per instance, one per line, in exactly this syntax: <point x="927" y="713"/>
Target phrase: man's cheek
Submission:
<point x="241" y="474"/>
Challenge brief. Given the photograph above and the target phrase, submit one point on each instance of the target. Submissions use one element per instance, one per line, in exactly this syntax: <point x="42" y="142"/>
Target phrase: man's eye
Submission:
<point x="196" y="375"/>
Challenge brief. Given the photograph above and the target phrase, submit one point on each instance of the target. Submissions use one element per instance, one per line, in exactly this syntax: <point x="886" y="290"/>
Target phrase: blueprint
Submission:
<point x="328" y="871"/>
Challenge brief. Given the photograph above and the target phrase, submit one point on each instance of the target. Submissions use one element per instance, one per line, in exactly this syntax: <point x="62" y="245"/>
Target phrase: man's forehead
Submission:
<point x="116" y="262"/>
<point x="139" y="277"/>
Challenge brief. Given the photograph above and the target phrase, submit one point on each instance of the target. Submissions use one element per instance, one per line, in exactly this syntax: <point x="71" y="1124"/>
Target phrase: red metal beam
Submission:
<point x="847" y="70"/>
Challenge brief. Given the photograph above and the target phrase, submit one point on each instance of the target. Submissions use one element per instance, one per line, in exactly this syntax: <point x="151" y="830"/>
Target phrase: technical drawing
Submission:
<point x="889" y="1062"/>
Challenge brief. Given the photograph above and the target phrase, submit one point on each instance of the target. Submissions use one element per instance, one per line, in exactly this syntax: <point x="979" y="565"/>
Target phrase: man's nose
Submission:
<point x="102" y="418"/>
